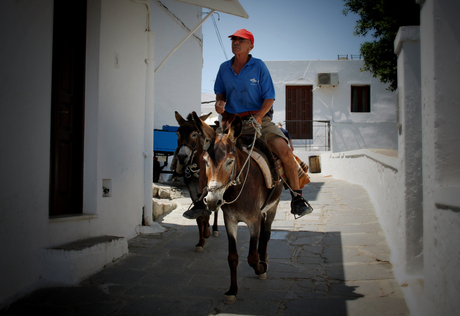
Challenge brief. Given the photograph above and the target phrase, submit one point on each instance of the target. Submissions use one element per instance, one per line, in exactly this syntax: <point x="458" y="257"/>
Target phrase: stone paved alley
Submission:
<point x="334" y="261"/>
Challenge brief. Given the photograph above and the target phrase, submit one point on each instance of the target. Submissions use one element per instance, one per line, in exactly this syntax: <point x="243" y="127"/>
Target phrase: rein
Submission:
<point x="237" y="180"/>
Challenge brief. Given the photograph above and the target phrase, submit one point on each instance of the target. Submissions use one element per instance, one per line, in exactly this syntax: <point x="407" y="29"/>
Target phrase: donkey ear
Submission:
<point x="206" y="131"/>
<point x="179" y="118"/>
<point x="205" y="116"/>
<point x="236" y="129"/>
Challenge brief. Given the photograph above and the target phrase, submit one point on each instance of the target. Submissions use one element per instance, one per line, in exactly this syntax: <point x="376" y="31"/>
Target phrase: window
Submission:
<point x="360" y="98"/>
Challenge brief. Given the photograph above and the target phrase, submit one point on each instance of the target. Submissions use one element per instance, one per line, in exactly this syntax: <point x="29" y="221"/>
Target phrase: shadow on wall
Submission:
<point x="353" y="136"/>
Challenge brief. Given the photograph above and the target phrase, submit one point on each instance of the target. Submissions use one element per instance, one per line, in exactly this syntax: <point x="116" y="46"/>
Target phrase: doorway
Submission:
<point x="299" y="111"/>
<point x="68" y="108"/>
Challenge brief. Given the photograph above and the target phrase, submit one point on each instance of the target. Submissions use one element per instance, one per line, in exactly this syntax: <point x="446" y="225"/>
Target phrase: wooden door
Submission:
<point x="299" y="111"/>
<point x="68" y="107"/>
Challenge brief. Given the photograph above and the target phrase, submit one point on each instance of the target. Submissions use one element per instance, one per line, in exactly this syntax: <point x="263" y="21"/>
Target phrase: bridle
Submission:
<point x="191" y="169"/>
<point x="237" y="180"/>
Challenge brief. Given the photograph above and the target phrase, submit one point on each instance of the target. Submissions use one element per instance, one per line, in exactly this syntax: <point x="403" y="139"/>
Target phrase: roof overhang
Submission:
<point x="226" y="6"/>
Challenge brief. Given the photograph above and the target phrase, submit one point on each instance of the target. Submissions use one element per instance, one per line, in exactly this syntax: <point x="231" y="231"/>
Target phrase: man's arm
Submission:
<point x="266" y="106"/>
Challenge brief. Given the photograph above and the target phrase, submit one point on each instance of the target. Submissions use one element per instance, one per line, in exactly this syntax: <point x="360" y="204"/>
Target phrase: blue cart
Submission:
<point x="164" y="145"/>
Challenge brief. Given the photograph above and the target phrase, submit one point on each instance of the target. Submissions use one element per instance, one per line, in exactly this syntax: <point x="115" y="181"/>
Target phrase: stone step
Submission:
<point x="70" y="263"/>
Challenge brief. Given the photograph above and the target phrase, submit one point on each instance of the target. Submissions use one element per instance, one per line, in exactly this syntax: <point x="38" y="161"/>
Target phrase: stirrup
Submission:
<point x="309" y="208"/>
<point x="200" y="211"/>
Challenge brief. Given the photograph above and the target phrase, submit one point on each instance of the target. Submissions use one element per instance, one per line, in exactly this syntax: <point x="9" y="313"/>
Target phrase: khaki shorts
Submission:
<point x="269" y="130"/>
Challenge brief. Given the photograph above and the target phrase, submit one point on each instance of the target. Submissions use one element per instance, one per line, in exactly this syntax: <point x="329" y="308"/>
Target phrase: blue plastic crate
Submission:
<point x="164" y="141"/>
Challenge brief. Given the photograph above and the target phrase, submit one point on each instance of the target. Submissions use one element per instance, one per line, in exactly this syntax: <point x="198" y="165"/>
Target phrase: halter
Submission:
<point x="190" y="169"/>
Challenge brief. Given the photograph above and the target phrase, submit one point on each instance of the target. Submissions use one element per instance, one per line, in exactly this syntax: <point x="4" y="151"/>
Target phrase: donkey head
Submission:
<point x="187" y="137"/>
<point x="220" y="157"/>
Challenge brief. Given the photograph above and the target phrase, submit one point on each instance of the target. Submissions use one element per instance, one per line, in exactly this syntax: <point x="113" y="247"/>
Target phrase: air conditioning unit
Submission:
<point x="328" y="79"/>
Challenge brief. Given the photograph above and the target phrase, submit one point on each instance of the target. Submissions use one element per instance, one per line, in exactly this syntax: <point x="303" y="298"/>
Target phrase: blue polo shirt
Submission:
<point x="247" y="90"/>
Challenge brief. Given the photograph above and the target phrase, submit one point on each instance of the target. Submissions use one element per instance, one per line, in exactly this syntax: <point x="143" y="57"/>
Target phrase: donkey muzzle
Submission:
<point x="184" y="154"/>
<point x="214" y="200"/>
<point x="182" y="158"/>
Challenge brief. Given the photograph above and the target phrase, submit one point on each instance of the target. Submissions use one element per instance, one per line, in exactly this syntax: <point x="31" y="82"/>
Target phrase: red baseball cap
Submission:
<point x="243" y="33"/>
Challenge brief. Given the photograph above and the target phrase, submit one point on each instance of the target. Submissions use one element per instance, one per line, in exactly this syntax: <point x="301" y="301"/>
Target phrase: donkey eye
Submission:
<point x="230" y="162"/>
<point x="194" y="135"/>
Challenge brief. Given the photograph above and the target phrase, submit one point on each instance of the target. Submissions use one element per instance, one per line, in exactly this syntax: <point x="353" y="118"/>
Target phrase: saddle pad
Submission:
<point x="261" y="160"/>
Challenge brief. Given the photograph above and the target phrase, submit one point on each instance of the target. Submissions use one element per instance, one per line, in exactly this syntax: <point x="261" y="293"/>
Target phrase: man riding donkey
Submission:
<point x="245" y="88"/>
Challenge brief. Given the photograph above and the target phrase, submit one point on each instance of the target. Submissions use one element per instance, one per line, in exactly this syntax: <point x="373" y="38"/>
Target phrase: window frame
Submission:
<point x="360" y="107"/>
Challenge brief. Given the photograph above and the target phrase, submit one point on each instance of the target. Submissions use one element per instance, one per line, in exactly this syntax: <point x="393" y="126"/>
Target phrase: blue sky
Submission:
<point x="283" y="30"/>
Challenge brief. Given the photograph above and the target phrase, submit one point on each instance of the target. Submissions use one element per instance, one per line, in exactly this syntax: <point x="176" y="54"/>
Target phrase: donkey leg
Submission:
<point x="215" y="227"/>
<point x="230" y="295"/>
<point x="265" y="233"/>
<point x="207" y="232"/>
<point x="203" y="230"/>
<point x="253" y="256"/>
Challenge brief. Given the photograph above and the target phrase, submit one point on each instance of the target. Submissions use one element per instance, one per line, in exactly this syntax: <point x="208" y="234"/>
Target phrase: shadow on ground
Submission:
<point x="163" y="275"/>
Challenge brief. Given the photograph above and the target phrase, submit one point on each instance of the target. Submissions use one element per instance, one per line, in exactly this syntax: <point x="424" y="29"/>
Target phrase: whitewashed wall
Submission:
<point x="25" y="106"/>
<point x="428" y="145"/>
<point x="440" y="51"/>
<point x="350" y="131"/>
<point x="118" y="125"/>
<point x="114" y="133"/>
<point x="178" y="82"/>
<point x="407" y="47"/>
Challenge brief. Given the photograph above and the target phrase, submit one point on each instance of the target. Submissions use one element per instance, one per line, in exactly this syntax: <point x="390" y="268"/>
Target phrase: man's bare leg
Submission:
<point x="284" y="153"/>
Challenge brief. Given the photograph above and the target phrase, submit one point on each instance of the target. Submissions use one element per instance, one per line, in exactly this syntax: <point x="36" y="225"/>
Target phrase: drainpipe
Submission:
<point x="186" y="37"/>
<point x="148" y="120"/>
<point x="148" y="132"/>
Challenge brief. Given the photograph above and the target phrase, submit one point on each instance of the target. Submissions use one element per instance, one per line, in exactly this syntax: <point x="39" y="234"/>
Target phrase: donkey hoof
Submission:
<point x="265" y="265"/>
<point x="263" y="276"/>
<point x="199" y="248"/>
<point x="215" y="233"/>
<point x="229" y="299"/>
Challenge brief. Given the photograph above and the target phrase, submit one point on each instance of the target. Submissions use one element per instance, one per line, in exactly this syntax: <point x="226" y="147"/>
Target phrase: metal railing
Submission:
<point x="313" y="135"/>
<point x="353" y="57"/>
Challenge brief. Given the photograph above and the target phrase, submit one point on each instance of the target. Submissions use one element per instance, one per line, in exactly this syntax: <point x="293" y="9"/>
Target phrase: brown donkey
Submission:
<point x="188" y="156"/>
<point x="236" y="184"/>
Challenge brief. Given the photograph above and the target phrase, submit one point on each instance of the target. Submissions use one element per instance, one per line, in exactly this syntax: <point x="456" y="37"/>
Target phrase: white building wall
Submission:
<point x="440" y="56"/>
<point x="349" y="131"/>
<point x="431" y="286"/>
<point x="121" y="109"/>
<point x="25" y="107"/>
<point x="114" y="134"/>
<point x="407" y="47"/>
<point x="178" y="81"/>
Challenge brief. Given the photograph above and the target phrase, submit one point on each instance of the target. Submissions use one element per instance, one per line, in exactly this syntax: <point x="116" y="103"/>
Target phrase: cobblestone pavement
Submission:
<point x="334" y="261"/>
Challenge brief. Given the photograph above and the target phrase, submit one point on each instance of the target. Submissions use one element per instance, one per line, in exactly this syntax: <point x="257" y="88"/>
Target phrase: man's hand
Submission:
<point x="220" y="106"/>
<point x="258" y="119"/>
<point x="266" y="106"/>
